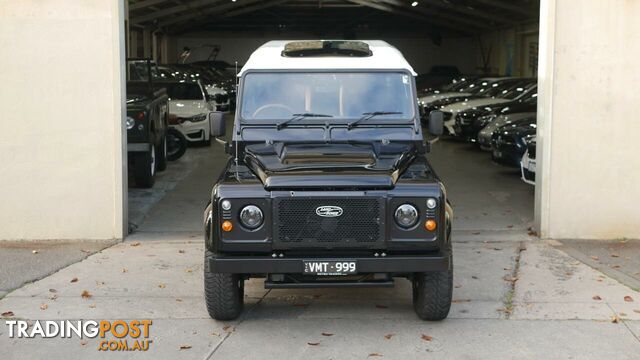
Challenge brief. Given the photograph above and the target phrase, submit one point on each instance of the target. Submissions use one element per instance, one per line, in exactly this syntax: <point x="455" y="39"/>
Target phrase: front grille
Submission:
<point x="297" y="225"/>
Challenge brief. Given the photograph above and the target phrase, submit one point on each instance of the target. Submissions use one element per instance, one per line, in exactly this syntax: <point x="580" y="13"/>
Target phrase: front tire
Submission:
<point x="432" y="293"/>
<point x="223" y="293"/>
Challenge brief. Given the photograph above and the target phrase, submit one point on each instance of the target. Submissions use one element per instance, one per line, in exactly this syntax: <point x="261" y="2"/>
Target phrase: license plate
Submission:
<point x="532" y="166"/>
<point x="497" y="153"/>
<point x="330" y="268"/>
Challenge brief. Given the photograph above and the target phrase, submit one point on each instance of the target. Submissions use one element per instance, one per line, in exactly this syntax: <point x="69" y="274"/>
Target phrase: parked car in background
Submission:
<point x="224" y="74"/>
<point x="436" y="78"/>
<point x="528" y="163"/>
<point x="510" y="142"/>
<point x="219" y="97"/>
<point x="494" y="122"/>
<point x="499" y="94"/>
<point x="214" y="84"/>
<point x="146" y="123"/>
<point x="189" y="109"/>
<point x="469" y="123"/>
<point x="461" y="90"/>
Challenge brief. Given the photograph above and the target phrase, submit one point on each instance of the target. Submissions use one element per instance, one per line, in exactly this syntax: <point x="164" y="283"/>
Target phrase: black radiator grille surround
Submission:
<point x="297" y="225"/>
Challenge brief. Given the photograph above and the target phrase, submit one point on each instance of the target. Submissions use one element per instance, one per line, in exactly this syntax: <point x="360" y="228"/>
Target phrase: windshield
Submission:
<point x="185" y="91"/>
<point x="458" y="84"/>
<point x="277" y="96"/>
<point x="514" y="91"/>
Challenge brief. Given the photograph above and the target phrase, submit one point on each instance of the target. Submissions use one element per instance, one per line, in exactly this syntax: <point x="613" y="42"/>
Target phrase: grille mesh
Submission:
<point x="298" y="225"/>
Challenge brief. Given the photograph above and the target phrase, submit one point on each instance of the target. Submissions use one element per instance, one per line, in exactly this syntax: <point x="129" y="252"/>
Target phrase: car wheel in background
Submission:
<point x="176" y="144"/>
<point x="162" y="155"/>
<point x="144" y="167"/>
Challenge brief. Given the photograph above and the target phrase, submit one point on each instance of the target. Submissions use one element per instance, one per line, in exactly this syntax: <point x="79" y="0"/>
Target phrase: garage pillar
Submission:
<point x="62" y="158"/>
<point x="588" y="148"/>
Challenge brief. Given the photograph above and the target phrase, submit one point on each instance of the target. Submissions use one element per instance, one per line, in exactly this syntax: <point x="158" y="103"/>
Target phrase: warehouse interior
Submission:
<point x="485" y="36"/>
<point x="478" y="38"/>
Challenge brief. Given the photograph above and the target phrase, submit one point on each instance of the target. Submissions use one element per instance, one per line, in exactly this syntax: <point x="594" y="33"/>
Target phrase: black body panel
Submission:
<point x="414" y="186"/>
<point x="146" y="105"/>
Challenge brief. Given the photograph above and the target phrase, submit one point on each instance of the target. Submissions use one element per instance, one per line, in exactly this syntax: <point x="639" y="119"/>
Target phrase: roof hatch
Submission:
<point x="319" y="48"/>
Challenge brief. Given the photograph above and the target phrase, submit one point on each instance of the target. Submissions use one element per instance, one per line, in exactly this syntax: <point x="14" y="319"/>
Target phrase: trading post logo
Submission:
<point x="118" y="335"/>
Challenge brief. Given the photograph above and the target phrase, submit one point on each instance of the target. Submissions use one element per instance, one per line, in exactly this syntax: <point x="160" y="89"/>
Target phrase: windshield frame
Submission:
<point x="332" y="121"/>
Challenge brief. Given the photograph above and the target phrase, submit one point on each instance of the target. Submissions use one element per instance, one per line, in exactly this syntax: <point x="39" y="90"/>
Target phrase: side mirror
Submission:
<point x="217" y="124"/>
<point x="436" y="123"/>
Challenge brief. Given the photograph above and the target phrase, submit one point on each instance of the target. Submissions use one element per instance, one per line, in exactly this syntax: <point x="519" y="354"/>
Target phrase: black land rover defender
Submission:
<point x="328" y="184"/>
<point x="146" y="122"/>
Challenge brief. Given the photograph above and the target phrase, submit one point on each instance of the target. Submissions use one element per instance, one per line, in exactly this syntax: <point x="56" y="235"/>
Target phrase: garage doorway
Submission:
<point x="444" y="41"/>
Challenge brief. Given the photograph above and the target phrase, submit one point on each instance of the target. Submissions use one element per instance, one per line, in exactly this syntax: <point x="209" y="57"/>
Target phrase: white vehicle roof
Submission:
<point x="383" y="57"/>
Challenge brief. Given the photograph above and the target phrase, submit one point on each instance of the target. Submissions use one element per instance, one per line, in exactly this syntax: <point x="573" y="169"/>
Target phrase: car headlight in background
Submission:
<point x="131" y="122"/>
<point x="406" y="215"/>
<point x="251" y="216"/>
<point x="198" y="118"/>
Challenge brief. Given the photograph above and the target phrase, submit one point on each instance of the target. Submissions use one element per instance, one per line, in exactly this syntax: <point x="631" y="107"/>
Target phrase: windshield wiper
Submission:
<point x="297" y="117"/>
<point x="368" y="115"/>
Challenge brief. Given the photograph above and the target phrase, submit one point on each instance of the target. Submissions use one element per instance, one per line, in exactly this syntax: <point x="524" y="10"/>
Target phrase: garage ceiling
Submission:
<point x="344" y="17"/>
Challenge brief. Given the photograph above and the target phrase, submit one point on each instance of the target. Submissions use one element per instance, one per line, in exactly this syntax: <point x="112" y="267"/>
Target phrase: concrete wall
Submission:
<point x="61" y="95"/>
<point x="589" y="162"/>
<point x="422" y="53"/>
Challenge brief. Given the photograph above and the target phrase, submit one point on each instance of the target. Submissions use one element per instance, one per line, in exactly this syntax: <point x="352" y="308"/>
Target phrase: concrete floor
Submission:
<point x="23" y="262"/>
<point x="514" y="296"/>
<point x="489" y="200"/>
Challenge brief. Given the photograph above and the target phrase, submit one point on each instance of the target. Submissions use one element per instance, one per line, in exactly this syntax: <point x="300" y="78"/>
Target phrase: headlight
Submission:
<point x="226" y="205"/>
<point x="251" y="216"/>
<point x="130" y="122"/>
<point x="406" y="215"/>
<point x="198" y="118"/>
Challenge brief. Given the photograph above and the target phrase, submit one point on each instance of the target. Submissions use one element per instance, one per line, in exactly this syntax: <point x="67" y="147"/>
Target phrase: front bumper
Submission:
<point x="389" y="264"/>
<point x="527" y="170"/>
<point x="194" y="131"/>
